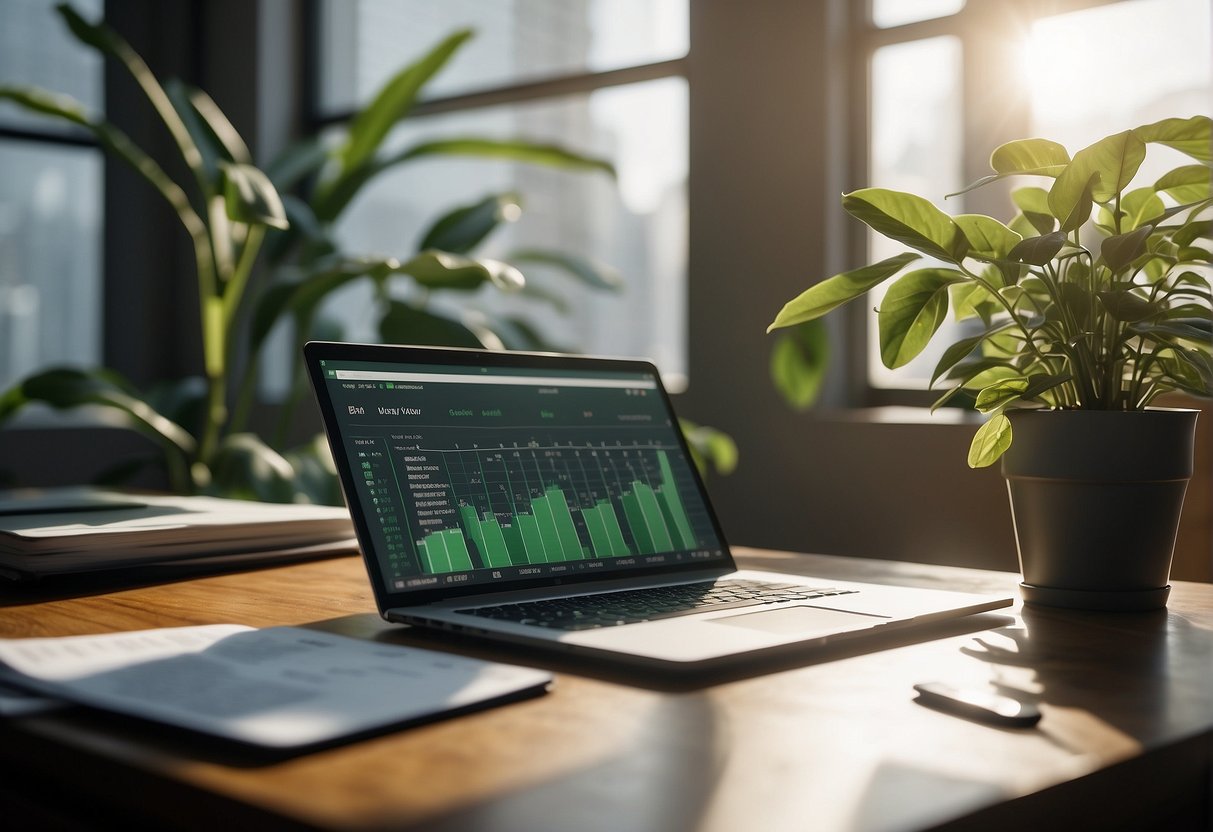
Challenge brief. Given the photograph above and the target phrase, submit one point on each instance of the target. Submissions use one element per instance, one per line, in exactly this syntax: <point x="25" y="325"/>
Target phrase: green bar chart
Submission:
<point x="521" y="509"/>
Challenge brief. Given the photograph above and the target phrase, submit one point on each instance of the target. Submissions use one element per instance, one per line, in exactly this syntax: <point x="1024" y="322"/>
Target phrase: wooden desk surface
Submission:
<point x="1127" y="733"/>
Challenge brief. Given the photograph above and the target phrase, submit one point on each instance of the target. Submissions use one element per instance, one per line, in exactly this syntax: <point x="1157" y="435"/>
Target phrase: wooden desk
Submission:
<point x="1126" y="740"/>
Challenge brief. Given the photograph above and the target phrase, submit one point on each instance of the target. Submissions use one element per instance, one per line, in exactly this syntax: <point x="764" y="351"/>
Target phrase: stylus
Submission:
<point x="981" y="705"/>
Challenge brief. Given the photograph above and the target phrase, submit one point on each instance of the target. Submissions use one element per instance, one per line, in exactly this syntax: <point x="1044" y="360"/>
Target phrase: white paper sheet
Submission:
<point x="282" y="687"/>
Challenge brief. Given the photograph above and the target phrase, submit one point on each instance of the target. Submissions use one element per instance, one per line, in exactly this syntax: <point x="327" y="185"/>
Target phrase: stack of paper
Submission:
<point x="82" y="530"/>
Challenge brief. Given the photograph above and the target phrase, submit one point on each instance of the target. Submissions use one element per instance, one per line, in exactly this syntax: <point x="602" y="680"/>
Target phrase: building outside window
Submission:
<point x="50" y="199"/>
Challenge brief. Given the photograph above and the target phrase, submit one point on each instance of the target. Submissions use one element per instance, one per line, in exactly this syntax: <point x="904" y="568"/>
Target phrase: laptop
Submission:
<point x="551" y="500"/>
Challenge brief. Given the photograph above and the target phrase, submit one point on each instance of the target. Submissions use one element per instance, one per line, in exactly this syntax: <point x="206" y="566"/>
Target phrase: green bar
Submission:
<point x="671" y="502"/>
<point x="570" y="542"/>
<point x="435" y="544"/>
<point x="497" y="553"/>
<point x="423" y="550"/>
<point x="541" y="507"/>
<point x="529" y="528"/>
<point x="610" y="519"/>
<point x="457" y="549"/>
<point x="471" y="527"/>
<point x="638" y="524"/>
<point x="599" y="540"/>
<point x="652" y="513"/>
<point x="515" y="544"/>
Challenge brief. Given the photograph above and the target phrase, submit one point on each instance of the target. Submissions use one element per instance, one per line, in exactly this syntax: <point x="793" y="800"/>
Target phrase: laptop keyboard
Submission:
<point x="631" y="606"/>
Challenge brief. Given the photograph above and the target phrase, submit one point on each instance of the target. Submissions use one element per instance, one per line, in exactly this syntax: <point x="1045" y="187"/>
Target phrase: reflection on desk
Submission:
<point x="1126" y="740"/>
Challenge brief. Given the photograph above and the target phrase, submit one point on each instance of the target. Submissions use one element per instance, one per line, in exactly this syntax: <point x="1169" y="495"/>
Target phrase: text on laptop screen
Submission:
<point x="472" y="475"/>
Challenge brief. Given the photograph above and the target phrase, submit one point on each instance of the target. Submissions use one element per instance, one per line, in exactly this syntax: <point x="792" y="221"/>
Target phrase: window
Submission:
<point x="949" y="81"/>
<point x="50" y="199"/>
<point x="602" y="77"/>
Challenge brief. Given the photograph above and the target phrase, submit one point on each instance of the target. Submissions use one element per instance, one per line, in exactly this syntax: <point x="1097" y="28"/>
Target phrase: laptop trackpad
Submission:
<point x="791" y="620"/>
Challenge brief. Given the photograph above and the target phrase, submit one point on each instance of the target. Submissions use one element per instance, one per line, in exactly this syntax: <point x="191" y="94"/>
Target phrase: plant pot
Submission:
<point x="1096" y="497"/>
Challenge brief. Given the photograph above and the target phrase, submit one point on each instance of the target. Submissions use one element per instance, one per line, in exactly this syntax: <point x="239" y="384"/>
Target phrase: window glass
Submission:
<point x="36" y="48"/>
<point x="364" y="43"/>
<point x="916" y="146"/>
<point x="636" y="223"/>
<point x="889" y="13"/>
<point x="50" y="257"/>
<point x="1088" y="75"/>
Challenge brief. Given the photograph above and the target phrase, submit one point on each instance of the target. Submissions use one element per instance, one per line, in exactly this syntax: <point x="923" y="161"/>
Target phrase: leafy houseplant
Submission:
<point x="1094" y="298"/>
<point x="264" y="255"/>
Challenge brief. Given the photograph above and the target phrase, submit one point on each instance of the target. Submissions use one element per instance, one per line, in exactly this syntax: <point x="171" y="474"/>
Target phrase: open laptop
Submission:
<point x="551" y="500"/>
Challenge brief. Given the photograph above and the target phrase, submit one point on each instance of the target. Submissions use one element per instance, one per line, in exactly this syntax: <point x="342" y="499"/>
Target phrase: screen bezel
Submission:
<point x="387" y="598"/>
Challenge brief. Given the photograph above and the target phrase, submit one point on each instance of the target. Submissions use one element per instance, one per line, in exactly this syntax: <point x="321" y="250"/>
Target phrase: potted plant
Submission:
<point x="1093" y="301"/>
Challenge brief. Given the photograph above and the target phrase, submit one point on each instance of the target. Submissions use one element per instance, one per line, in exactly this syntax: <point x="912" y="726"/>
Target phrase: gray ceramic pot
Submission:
<point x="1096" y="497"/>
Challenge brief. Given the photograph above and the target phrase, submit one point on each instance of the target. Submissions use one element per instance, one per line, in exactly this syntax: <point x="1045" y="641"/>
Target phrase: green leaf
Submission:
<point x="591" y="272"/>
<point x="1139" y="207"/>
<point x="1001" y="393"/>
<point x="909" y="219"/>
<point x="1197" y="330"/>
<point x="1189" y="183"/>
<point x="1126" y="307"/>
<point x="834" y="291"/>
<point x="912" y="312"/>
<point x="970" y="299"/>
<point x="798" y="362"/>
<point x="514" y="150"/>
<point x="1036" y="251"/>
<point x="1103" y="170"/>
<point x="464" y="228"/>
<point x="990" y="442"/>
<point x="1040" y="157"/>
<point x="518" y="334"/>
<point x="245" y="467"/>
<point x="332" y="199"/>
<point x="710" y="446"/>
<point x="393" y="101"/>
<point x="405" y="324"/>
<point x="988" y="238"/>
<point x="962" y="349"/>
<point x="251" y="198"/>
<point x="1070" y="200"/>
<point x="298" y="161"/>
<point x="64" y="388"/>
<point x="1192" y="136"/>
<point x="1119" y="251"/>
<point x="1034" y="203"/>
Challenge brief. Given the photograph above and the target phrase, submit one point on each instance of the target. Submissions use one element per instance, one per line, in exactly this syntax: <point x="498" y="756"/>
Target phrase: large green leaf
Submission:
<point x="332" y="199"/>
<point x="64" y="388"/>
<point x="909" y="219"/>
<point x="990" y="442"/>
<point x="833" y="292"/>
<point x="798" y="362"/>
<point x="251" y="198"/>
<point x="1102" y="171"/>
<point x="298" y="161"/>
<point x="1023" y="157"/>
<point x="962" y="349"/>
<point x="405" y="324"/>
<point x="971" y="299"/>
<point x="1185" y="184"/>
<point x="393" y="101"/>
<point x="1030" y="156"/>
<point x="588" y="270"/>
<point x="1192" y="136"/>
<point x="911" y="312"/>
<point x="710" y="448"/>
<point x="464" y="228"/>
<point x="1125" y="306"/>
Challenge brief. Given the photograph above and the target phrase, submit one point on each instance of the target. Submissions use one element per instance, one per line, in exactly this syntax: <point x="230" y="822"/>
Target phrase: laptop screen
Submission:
<point x="469" y="471"/>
